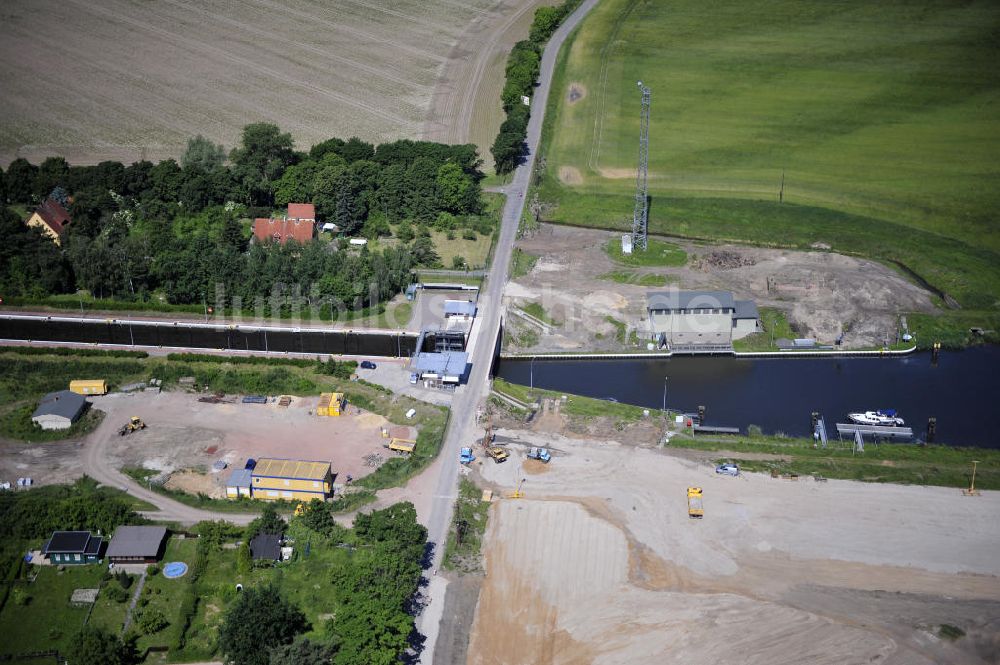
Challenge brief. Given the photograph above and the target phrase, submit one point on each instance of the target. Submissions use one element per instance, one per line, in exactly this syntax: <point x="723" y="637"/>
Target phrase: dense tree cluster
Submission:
<point x="522" y="75"/>
<point x="260" y="620"/>
<point x="81" y="506"/>
<point x="176" y="228"/>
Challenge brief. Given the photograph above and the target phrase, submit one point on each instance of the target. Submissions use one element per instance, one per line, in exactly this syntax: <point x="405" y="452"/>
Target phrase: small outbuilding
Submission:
<point x="59" y="410"/>
<point x="137" y="544"/>
<point x="448" y="367"/>
<point x="238" y="483"/>
<point x="73" y="547"/>
<point x="265" y="547"/>
<point x="464" y="309"/>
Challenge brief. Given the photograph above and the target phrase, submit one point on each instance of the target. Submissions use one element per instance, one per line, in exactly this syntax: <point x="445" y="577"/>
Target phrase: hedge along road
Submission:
<point x="462" y="428"/>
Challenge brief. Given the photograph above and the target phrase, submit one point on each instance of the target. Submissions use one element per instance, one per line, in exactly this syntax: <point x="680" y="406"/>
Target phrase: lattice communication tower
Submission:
<point x="640" y="215"/>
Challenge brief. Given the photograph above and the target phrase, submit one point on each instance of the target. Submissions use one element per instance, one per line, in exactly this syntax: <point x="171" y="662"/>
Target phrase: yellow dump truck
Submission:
<point x="330" y="404"/>
<point x="405" y="446"/>
<point x="89" y="386"/>
<point x="696" y="510"/>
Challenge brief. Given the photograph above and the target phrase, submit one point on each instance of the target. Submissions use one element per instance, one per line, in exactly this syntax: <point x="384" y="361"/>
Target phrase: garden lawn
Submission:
<point x="47" y="621"/>
<point x="878" y="118"/>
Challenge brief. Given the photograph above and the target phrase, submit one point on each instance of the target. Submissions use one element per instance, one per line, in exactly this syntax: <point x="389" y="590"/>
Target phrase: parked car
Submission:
<point x="367" y="364"/>
<point x="728" y="469"/>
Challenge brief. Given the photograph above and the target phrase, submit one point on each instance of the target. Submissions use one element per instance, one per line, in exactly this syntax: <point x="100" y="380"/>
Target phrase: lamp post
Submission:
<point x="531" y="375"/>
<point x="665" y="394"/>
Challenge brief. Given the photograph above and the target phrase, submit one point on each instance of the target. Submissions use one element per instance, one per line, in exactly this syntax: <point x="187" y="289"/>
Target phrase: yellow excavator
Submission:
<point x="133" y="425"/>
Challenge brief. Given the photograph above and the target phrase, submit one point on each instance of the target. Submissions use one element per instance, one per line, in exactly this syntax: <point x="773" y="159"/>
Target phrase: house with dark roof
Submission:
<point x="73" y="547"/>
<point x="137" y="544"/>
<point x="265" y="547"/>
<point x="693" y="318"/>
<point x="59" y="410"/>
<point x="51" y="218"/>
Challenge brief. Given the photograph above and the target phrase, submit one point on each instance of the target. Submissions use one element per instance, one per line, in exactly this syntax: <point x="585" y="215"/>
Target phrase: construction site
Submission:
<point x="193" y="442"/>
<point x="595" y="557"/>
<point x="577" y="298"/>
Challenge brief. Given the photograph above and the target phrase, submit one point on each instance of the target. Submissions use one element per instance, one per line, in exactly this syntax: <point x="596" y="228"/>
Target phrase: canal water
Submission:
<point x="139" y="334"/>
<point x="962" y="389"/>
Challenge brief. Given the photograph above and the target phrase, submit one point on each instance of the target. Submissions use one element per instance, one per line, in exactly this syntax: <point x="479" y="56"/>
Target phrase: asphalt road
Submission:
<point x="467" y="399"/>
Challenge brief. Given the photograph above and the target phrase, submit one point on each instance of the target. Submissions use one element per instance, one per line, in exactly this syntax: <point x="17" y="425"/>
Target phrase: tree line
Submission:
<point x="509" y="147"/>
<point x="175" y="228"/>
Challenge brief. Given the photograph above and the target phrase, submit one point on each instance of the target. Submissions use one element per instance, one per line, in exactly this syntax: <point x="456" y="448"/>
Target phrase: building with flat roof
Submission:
<point x="73" y="547"/>
<point x="59" y="410"/>
<point x="274" y="479"/>
<point x="465" y="309"/>
<point x="137" y="544"/>
<point x="238" y="484"/>
<point x="447" y="367"/>
<point x="693" y="318"/>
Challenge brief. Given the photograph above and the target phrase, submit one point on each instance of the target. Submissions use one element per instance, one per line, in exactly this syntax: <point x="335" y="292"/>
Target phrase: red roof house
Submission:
<point x="304" y="212"/>
<point x="280" y="230"/>
<point x="51" y="218"/>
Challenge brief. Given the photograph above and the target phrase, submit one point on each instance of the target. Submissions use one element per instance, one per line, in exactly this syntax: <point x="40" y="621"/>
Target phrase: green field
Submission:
<point x="880" y="118"/>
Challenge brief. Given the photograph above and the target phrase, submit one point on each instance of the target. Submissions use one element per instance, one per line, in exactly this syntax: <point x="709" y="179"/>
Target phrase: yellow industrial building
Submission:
<point x="89" y="386"/>
<point x="330" y="404"/>
<point x="274" y="479"/>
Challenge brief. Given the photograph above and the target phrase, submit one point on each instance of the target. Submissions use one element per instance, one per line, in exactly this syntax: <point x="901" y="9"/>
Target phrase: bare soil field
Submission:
<point x="600" y="563"/>
<point x="821" y="292"/>
<point x="125" y="80"/>
<point x="466" y="105"/>
<point x="185" y="437"/>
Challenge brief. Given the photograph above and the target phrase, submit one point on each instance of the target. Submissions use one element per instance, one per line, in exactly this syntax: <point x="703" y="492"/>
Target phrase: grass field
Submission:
<point x="880" y="119"/>
<point x="47" y="620"/>
<point x="144" y="77"/>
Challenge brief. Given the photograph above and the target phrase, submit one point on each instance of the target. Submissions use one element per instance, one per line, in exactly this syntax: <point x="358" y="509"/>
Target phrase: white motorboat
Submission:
<point x="883" y="418"/>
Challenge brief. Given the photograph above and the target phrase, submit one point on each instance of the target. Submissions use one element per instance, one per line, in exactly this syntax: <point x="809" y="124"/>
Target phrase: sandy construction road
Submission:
<point x="601" y="564"/>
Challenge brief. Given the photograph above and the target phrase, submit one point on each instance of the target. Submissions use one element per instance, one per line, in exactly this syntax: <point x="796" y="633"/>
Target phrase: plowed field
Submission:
<point x="128" y="80"/>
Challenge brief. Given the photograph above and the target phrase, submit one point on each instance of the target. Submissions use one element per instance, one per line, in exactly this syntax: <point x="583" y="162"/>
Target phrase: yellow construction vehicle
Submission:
<point x="402" y="446"/>
<point x="497" y="453"/>
<point x="133" y="425"/>
<point x="696" y="510"/>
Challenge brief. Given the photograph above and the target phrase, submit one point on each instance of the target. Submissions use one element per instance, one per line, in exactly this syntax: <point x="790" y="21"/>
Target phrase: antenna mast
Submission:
<point x="641" y="213"/>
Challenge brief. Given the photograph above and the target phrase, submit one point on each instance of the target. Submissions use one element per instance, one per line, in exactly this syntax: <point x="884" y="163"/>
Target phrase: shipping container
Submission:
<point x="89" y="386"/>
<point x="330" y="404"/>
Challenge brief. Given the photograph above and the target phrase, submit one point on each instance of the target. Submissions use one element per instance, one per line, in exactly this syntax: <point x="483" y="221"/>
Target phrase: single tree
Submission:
<point x="258" y="621"/>
<point x="202" y="154"/>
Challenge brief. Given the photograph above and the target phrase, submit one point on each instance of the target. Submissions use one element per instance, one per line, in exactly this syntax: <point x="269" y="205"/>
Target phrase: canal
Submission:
<point x="185" y="335"/>
<point x="779" y="394"/>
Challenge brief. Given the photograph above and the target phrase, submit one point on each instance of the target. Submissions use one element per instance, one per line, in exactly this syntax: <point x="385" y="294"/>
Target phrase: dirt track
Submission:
<point x="136" y="80"/>
<point x="600" y="564"/>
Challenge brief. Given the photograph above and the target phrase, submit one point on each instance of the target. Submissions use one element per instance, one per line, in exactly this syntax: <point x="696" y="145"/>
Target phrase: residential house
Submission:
<point x="73" y="547"/>
<point x="299" y="224"/>
<point x="51" y="218"/>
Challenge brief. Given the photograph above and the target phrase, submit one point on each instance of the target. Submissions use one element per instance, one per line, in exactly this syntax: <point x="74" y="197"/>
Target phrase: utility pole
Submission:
<point x="640" y="215"/>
